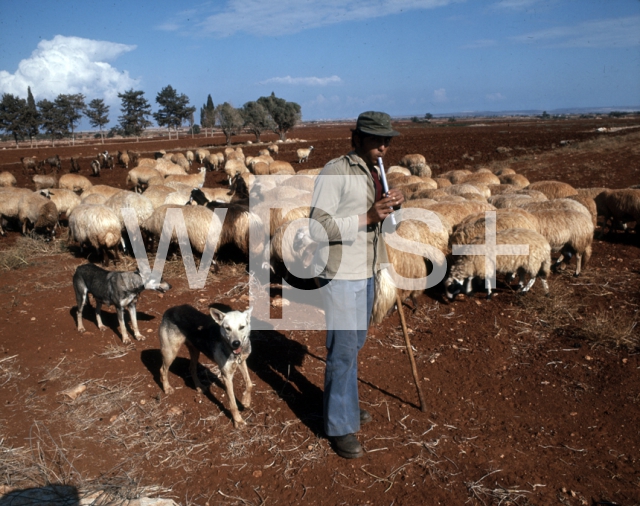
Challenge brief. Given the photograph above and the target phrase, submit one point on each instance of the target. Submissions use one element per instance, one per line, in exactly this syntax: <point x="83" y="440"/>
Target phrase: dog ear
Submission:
<point x="217" y="315"/>
<point x="248" y="314"/>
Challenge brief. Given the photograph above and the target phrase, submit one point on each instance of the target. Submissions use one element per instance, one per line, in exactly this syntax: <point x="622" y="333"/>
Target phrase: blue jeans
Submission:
<point x="347" y="306"/>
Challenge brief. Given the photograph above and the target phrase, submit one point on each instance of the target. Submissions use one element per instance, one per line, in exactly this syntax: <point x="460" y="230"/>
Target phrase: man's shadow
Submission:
<point x="277" y="360"/>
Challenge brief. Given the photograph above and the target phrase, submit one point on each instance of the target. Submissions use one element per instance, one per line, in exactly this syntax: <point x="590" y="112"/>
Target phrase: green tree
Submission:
<point x="98" y="113"/>
<point x="174" y="109"/>
<point x="428" y="116"/>
<point x="208" y="116"/>
<point x="230" y="120"/>
<point x="71" y="107"/>
<point x="284" y="114"/>
<point x="53" y="120"/>
<point x="256" y="119"/>
<point x="31" y="117"/>
<point x="12" y="114"/>
<point x="135" y="109"/>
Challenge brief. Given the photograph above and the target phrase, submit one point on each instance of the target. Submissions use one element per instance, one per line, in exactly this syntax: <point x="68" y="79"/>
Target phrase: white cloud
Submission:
<point x="321" y="100"/>
<point x="617" y="32"/>
<point x="69" y="65"/>
<point x="515" y="4"/>
<point x="304" y="81"/>
<point x="480" y="44"/>
<point x="495" y="97"/>
<point x="440" y="95"/>
<point x="257" y="17"/>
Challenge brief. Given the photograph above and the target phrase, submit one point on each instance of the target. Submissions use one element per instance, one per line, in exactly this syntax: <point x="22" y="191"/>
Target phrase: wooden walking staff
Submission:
<point x="407" y="342"/>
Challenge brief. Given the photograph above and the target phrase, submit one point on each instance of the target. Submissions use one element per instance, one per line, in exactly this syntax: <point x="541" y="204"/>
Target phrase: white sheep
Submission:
<point x="273" y="149"/>
<point x="139" y="177"/>
<point x="198" y="220"/>
<point x="158" y="193"/>
<point x="124" y="158"/>
<point x="74" y="182"/>
<point x="65" y="201"/>
<point x="536" y="263"/>
<point x="411" y="266"/>
<point x="417" y="164"/>
<point x="474" y="225"/>
<point x="233" y="167"/>
<point x="310" y="172"/>
<point x="303" y="154"/>
<point x="9" y="200"/>
<point x="181" y="160"/>
<point x="192" y="180"/>
<point x="168" y="168"/>
<point x="568" y="232"/>
<point x="7" y="179"/>
<point x="481" y="177"/>
<point x="556" y="204"/>
<point x="124" y="199"/>
<point x="102" y="189"/>
<point x="189" y="156"/>
<point x="281" y="167"/>
<point x="455" y="212"/>
<point x="37" y="213"/>
<point x="456" y="176"/>
<point x="553" y="189"/>
<point x="44" y="181"/>
<point x="397" y="169"/>
<point x="98" y="226"/>
<point x="94" y="198"/>
<point x="463" y="188"/>
<point x="201" y="154"/>
<point x="514" y="179"/>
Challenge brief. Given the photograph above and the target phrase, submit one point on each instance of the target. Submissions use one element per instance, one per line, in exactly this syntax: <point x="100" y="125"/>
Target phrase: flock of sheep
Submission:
<point x="550" y="217"/>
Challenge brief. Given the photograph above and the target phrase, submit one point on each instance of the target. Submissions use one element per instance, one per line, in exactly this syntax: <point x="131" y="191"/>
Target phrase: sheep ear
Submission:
<point x="217" y="315"/>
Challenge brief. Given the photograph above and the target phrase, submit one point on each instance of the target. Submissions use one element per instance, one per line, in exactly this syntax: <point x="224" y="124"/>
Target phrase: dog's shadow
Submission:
<point x="109" y="318"/>
<point x="277" y="360"/>
<point x="152" y="360"/>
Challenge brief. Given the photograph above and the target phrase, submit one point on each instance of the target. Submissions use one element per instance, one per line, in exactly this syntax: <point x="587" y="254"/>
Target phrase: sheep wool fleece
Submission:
<point x="345" y="277"/>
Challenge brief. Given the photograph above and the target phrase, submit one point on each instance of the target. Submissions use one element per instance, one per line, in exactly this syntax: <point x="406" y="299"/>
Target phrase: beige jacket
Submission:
<point x="343" y="190"/>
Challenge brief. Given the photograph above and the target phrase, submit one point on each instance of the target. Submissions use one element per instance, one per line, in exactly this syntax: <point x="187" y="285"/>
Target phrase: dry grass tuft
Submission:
<point x="565" y="313"/>
<point x="9" y="369"/>
<point x="611" y="329"/>
<point x="498" y="495"/>
<point x="44" y="472"/>
<point x="26" y="249"/>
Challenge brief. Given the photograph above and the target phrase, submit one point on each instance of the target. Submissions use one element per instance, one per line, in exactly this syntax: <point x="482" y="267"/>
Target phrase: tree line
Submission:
<point x="25" y="119"/>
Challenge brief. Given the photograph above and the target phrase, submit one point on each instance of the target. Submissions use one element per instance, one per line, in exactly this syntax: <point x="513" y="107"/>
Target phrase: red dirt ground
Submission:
<point x="522" y="406"/>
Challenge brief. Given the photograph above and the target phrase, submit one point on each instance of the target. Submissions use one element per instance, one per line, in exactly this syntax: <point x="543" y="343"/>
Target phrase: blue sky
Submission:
<point x="335" y="58"/>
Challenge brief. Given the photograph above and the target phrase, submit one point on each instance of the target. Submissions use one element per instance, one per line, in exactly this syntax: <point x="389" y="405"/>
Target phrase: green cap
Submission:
<point x="375" y="123"/>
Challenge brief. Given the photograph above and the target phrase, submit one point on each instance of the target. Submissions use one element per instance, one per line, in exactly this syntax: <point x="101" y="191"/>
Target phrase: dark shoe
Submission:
<point x="365" y="416"/>
<point x="347" y="446"/>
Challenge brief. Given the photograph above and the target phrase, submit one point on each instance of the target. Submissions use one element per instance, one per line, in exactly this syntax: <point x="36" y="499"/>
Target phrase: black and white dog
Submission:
<point x="222" y="337"/>
<point x="113" y="288"/>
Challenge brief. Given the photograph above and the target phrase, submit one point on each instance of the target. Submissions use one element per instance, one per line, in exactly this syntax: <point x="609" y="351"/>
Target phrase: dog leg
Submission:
<point x="134" y="322"/>
<point x="227" y="377"/>
<point x="248" y="385"/>
<point x="98" y="315"/>
<point x="122" y="326"/>
<point x="193" y="366"/>
<point x="169" y="353"/>
<point x="81" y="299"/>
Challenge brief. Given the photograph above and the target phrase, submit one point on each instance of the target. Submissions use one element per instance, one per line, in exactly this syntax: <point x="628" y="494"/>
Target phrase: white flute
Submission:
<point x="385" y="186"/>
